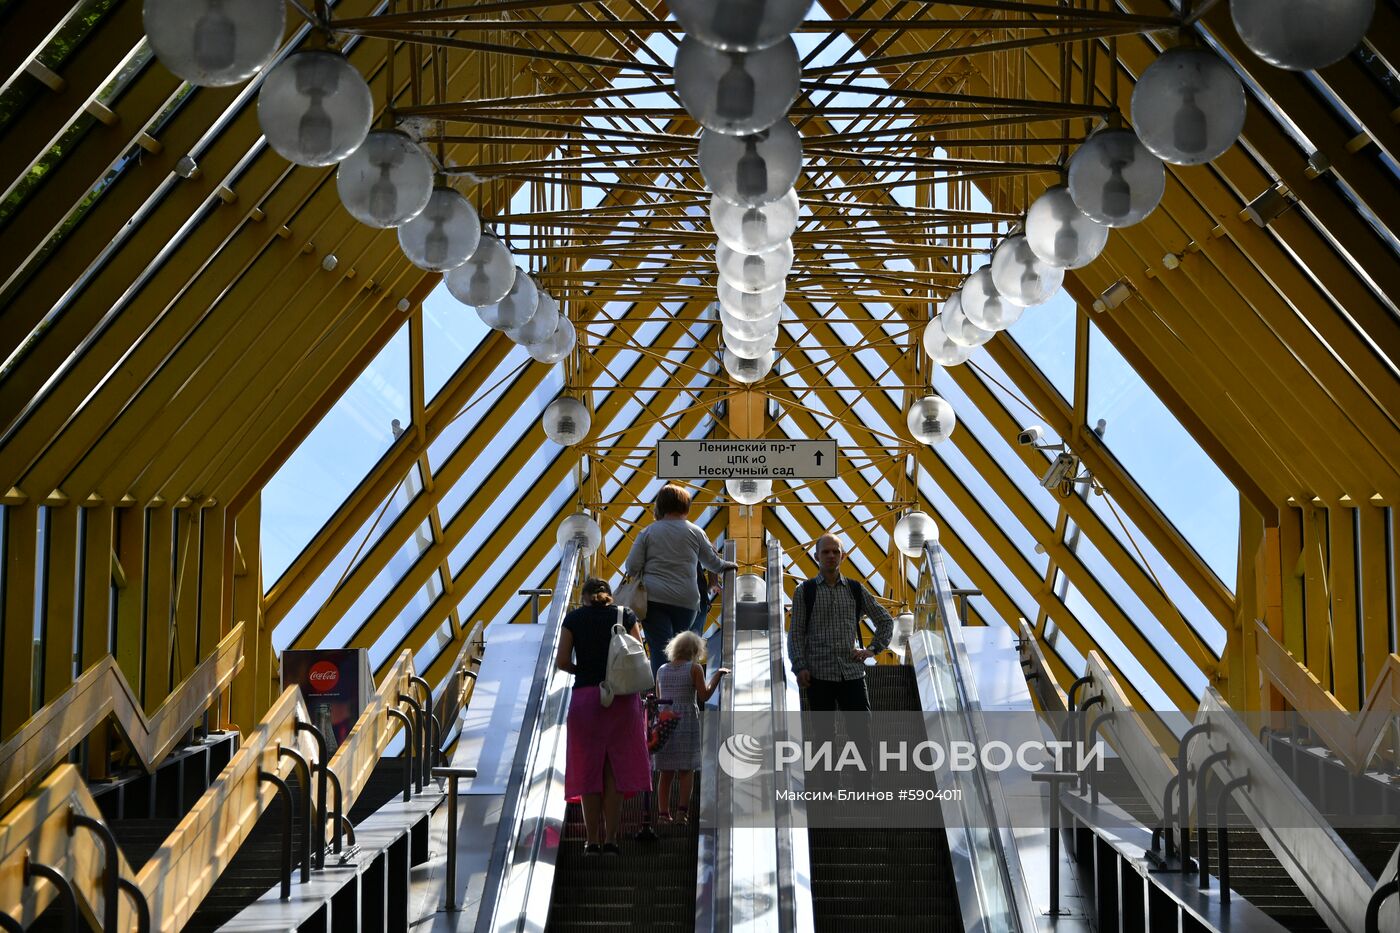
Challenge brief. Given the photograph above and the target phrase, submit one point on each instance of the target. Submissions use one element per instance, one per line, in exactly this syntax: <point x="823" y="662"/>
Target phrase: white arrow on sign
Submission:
<point x="746" y="459"/>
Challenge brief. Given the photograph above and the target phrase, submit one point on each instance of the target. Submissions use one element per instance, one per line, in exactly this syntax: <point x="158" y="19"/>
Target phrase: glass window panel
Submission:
<point x="1164" y="459"/>
<point x="1046" y="333"/>
<point x="386" y="645"/>
<point x="334" y="457"/>
<point x="482" y="401"/>
<point x="451" y="332"/>
<point x="380" y="587"/>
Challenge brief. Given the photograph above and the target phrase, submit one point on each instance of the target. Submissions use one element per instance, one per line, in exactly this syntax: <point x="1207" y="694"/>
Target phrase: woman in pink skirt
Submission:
<point x="607" y="745"/>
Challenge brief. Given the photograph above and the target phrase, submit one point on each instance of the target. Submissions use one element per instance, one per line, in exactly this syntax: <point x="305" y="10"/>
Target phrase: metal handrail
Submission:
<point x="1000" y="884"/>
<point x="713" y="903"/>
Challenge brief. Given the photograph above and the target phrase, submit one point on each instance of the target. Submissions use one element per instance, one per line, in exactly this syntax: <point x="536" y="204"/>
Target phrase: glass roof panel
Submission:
<point x="451" y="333"/>
<point x="334" y="457"/>
<point x="1046" y="333"/>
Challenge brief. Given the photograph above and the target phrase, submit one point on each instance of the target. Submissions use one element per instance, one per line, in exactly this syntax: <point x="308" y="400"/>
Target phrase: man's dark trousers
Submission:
<point x="847" y="696"/>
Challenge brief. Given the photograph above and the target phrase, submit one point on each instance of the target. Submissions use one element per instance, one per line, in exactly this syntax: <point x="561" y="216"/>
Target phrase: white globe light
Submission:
<point x="1020" y="276"/>
<point x="983" y="305"/>
<point x="751" y="171"/>
<point x="487" y="275"/>
<point x="913" y="531"/>
<point x="751" y="305"/>
<point x="518" y="306"/>
<point x="581" y="528"/>
<point x="737" y="93"/>
<point x="739" y="25"/>
<point x="750" y="328"/>
<point x="754" y="229"/>
<point x="315" y="108"/>
<point x="748" y="491"/>
<point x="940" y="348"/>
<point x="1301" y="35"/>
<point x="750" y="588"/>
<point x="559" y="345"/>
<point x="444" y="235"/>
<point x="387" y="181"/>
<point x="958" y="328"/>
<point x="541" y="324"/>
<point x="753" y="348"/>
<point x="566" y="421"/>
<point x="903" y="626"/>
<point x="754" y="273"/>
<point x="748" y="371"/>
<point x="1188" y="106"/>
<point x="214" y="43"/>
<point x="931" y="420"/>
<point x="1114" y="179"/>
<point x="1060" y="233"/>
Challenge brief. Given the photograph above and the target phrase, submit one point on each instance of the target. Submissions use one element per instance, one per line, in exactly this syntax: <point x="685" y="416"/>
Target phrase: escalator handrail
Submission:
<point x="988" y="787"/>
<point x="546" y="707"/>
<point x="718" y="908"/>
<point x="794" y="871"/>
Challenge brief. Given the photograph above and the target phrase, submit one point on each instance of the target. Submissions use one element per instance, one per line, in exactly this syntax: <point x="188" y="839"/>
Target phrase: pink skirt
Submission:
<point x="614" y="734"/>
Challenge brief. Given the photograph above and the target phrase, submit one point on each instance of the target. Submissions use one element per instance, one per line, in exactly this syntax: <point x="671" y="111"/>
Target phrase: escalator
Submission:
<point x="883" y="878"/>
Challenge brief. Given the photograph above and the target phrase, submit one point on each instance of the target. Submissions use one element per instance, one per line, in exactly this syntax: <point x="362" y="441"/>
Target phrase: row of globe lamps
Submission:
<point x="737" y="72"/>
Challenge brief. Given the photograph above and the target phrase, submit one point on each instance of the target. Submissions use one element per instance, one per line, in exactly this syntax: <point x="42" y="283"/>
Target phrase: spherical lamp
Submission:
<point x="751" y="171"/>
<point x="755" y="348"/>
<point x="214" y="43"/>
<point x="541" y="323"/>
<point x="737" y="93"/>
<point x="940" y="348"/>
<point x="958" y="328"/>
<point x="1060" y="233"/>
<point x="754" y="273"/>
<point x="486" y="277"/>
<point x="387" y="181"/>
<point x="903" y="626"/>
<point x="1188" y="106"/>
<point x="750" y="328"/>
<point x="315" y="108"/>
<point x="751" y="305"/>
<point x="745" y="370"/>
<point x="750" y="588"/>
<point x="754" y="229"/>
<point x="559" y="345"/>
<point x="566" y="421"/>
<point x="579" y="528"/>
<point x="1020" y="276"/>
<point x="739" y="25"/>
<point x="748" y="491"/>
<point x="1114" y="179"/>
<point x="914" y="530"/>
<point x="1301" y="35"/>
<point x="983" y="305"/>
<point x="444" y="235"/>
<point x="931" y="420"/>
<point x="518" y="306"/>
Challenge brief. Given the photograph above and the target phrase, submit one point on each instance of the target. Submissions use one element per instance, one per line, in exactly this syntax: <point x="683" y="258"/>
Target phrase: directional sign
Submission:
<point x="746" y="459"/>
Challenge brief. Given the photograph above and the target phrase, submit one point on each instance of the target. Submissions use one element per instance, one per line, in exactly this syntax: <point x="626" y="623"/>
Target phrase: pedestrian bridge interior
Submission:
<point x="237" y="418"/>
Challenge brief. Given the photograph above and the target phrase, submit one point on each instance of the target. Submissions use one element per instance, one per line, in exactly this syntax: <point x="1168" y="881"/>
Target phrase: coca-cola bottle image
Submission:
<point x="327" y="729"/>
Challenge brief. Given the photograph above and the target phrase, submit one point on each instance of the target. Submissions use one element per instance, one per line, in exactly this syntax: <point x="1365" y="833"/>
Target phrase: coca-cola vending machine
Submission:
<point x="335" y="685"/>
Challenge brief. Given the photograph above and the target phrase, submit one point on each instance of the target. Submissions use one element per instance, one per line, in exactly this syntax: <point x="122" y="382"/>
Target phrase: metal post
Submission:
<point x="10" y="924"/>
<point x="53" y="876"/>
<point x="962" y="596"/>
<point x="1055" y="779"/>
<point x="304" y="770"/>
<point x="285" y="793"/>
<point x="110" y="855"/>
<point x="1379" y="897"/>
<point x="348" y="828"/>
<point x="1184" y="788"/>
<point x="534" y="601"/>
<point x="409" y="734"/>
<point x="1165" y="830"/>
<point x="138" y="900"/>
<point x="452" y="774"/>
<point x="1203" y="818"/>
<point x="1222" y="833"/>
<point x="431" y="730"/>
<point x="1094" y="727"/>
<point x="1074" y="690"/>
<point x="416" y="736"/>
<point x="323" y="761"/>
<point x="338" y="798"/>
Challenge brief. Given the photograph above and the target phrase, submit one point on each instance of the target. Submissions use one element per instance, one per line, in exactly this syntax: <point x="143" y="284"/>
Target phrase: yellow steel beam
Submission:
<point x="17" y="648"/>
<point x="1374" y="610"/>
<point x="60" y="598"/>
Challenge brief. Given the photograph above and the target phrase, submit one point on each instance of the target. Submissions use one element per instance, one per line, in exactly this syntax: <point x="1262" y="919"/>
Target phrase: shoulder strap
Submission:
<point x="809" y="597"/>
<point x="857" y="594"/>
<point x="621" y="617"/>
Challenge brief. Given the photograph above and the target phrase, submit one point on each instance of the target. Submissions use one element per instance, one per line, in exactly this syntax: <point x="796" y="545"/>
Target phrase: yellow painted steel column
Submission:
<point x="17" y="645"/>
<point x="98" y="521"/>
<point x="61" y="599"/>
<point x="160" y="584"/>
<point x="1239" y="667"/>
<point x="1273" y="577"/>
<point x="1291" y="579"/>
<point x="247" y="606"/>
<point x="1316" y="604"/>
<point x="212" y="625"/>
<point x="185" y="634"/>
<point x="746" y="419"/>
<point x="1341" y="585"/>
<point x="1375" y="616"/>
<point x="131" y="596"/>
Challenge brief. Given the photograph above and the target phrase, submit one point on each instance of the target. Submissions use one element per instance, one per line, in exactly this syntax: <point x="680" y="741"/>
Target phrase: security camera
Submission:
<point x="1062" y="468"/>
<point x="1030" y="435"/>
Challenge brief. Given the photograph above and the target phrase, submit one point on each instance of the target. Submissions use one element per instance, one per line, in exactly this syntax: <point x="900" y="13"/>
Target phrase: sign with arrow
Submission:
<point x="746" y="459"/>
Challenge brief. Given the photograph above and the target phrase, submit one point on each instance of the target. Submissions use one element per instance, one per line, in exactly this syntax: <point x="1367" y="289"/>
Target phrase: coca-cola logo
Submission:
<point x="324" y="675"/>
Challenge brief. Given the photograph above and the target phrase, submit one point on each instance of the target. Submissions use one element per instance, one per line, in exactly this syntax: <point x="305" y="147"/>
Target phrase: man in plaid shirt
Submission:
<point x="824" y="644"/>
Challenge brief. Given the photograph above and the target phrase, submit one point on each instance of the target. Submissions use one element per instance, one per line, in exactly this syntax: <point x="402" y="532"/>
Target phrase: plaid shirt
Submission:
<point x="823" y="643"/>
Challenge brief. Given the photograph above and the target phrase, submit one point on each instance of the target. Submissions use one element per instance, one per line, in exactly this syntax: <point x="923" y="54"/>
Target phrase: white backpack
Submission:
<point x="628" y="671"/>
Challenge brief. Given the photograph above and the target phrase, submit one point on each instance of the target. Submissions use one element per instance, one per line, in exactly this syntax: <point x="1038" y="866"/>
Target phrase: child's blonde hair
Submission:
<point x="687" y="646"/>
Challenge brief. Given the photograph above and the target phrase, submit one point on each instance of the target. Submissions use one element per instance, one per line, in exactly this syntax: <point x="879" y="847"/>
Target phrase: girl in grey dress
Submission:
<point x="682" y="681"/>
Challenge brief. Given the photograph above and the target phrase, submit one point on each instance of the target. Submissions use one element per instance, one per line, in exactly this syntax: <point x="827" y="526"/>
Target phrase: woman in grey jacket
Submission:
<point x="664" y="557"/>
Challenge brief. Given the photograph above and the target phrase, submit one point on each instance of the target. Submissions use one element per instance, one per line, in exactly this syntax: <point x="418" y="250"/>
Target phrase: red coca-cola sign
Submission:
<point x="323" y="676"/>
